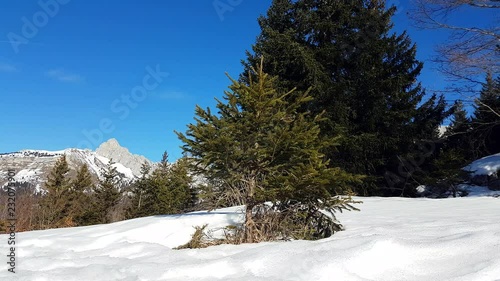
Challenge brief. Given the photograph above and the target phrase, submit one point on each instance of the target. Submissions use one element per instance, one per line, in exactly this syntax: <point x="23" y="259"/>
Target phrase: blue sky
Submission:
<point x="75" y="75"/>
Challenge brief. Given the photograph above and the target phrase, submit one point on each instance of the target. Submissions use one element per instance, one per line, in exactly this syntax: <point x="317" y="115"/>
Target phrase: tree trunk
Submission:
<point x="249" y="223"/>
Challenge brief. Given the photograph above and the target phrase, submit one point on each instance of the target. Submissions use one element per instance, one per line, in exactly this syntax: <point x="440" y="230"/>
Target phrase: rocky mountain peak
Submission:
<point x="113" y="150"/>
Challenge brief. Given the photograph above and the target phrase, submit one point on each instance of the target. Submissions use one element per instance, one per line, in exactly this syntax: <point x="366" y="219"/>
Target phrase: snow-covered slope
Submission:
<point x="390" y="239"/>
<point x="485" y="166"/>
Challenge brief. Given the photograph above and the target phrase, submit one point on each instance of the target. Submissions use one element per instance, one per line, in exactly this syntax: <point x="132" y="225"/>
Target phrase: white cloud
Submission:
<point x="64" y="76"/>
<point x="5" y="67"/>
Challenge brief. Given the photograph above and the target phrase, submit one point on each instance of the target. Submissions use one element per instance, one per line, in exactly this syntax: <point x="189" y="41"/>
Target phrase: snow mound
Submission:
<point x="390" y="239"/>
<point x="485" y="166"/>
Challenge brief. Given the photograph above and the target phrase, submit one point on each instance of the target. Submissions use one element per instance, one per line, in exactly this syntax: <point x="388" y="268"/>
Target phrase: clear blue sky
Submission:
<point x="65" y="82"/>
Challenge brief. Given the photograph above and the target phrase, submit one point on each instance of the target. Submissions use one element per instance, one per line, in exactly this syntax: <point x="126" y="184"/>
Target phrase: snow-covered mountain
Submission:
<point x="32" y="166"/>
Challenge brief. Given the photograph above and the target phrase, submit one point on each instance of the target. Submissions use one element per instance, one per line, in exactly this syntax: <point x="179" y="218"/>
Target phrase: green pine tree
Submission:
<point x="82" y="187"/>
<point x="159" y="197"/>
<point x="259" y="148"/>
<point x="363" y="76"/>
<point x="166" y="191"/>
<point x="486" y="120"/>
<point x="139" y="190"/>
<point x="56" y="203"/>
<point x="459" y="135"/>
<point x="181" y="186"/>
<point x="445" y="172"/>
<point x="107" y="194"/>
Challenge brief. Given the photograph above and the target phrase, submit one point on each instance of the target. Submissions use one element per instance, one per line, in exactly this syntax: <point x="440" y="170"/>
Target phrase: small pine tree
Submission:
<point x="159" y="198"/>
<point x="180" y="185"/>
<point x="81" y="191"/>
<point x="447" y="174"/>
<point x="56" y="203"/>
<point x="258" y="149"/>
<point x="458" y="136"/>
<point x="166" y="191"/>
<point x="486" y="120"/>
<point x="107" y="193"/>
<point x="139" y="190"/>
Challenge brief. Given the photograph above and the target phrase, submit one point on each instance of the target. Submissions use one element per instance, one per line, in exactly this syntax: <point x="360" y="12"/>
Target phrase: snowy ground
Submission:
<point x="390" y="239"/>
<point x="485" y="166"/>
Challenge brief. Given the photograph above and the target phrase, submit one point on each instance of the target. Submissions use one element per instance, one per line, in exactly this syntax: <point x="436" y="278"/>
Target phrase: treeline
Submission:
<point x="83" y="200"/>
<point x="467" y="138"/>
<point x="363" y="77"/>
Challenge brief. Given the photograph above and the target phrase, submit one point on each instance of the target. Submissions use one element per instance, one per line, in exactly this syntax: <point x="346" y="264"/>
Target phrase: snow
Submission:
<point x="119" y="167"/>
<point x="485" y="166"/>
<point x="479" y="191"/>
<point x="389" y="239"/>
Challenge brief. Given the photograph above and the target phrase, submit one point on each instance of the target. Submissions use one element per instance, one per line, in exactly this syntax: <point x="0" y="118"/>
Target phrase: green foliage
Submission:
<point x="138" y="192"/>
<point x="260" y="147"/>
<point x="459" y="136"/>
<point x="56" y="204"/>
<point x="82" y="187"/>
<point x="363" y="78"/>
<point x="486" y="119"/>
<point x="166" y="191"/>
<point x="446" y="174"/>
<point x="107" y="194"/>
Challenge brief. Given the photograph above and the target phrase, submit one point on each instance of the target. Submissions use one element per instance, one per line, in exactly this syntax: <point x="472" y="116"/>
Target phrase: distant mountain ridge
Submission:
<point x="33" y="166"/>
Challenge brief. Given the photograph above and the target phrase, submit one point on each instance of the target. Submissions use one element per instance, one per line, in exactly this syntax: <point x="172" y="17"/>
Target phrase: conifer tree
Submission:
<point x="362" y="75"/>
<point x="107" y="193"/>
<point x="259" y="148"/>
<point x="159" y="199"/>
<point x="459" y="135"/>
<point x="139" y="191"/>
<point x="56" y="203"/>
<point x="180" y="184"/>
<point x="82" y="187"/>
<point x="486" y="120"/>
<point x="166" y="191"/>
<point x="445" y="171"/>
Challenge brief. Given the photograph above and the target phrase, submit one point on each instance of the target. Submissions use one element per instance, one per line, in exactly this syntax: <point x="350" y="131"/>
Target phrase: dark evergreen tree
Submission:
<point x="107" y="194"/>
<point x="56" y="203"/>
<point x="486" y="119"/>
<point x="445" y="172"/>
<point x="258" y="149"/>
<point x="158" y="196"/>
<point x="180" y="184"/>
<point x="139" y="190"/>
<point x="363" y="77"/>
<point x="166" y="191"/>
<point x="459" y="135"/>
<point x="81" y="196"/>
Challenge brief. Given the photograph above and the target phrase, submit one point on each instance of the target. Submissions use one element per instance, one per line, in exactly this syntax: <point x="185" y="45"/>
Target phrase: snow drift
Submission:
<point x="390" y="239"/>
<point x="485" y="166"/>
